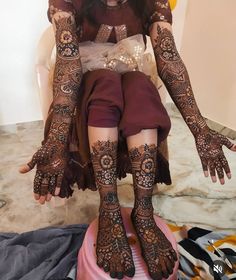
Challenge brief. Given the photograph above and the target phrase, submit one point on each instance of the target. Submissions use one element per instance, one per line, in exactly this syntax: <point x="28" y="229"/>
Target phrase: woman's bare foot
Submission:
<point x="113" y="251"/>
<point x="157" y="251"/>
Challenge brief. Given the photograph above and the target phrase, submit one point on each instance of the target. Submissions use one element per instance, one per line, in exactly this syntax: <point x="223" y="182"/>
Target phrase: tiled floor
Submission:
<point x="191" y="199"/>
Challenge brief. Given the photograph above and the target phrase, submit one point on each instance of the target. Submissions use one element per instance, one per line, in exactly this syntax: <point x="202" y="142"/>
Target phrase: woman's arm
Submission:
<point x="67" y="75"/>
<point x="174" y="74"/>
<point x="52" y="157"/>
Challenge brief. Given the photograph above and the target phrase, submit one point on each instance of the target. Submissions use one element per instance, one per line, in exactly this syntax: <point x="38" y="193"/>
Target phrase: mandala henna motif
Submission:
<point x="156" y="249"/>
<point x="113" y="251"/>
<point x="52" y="157"/>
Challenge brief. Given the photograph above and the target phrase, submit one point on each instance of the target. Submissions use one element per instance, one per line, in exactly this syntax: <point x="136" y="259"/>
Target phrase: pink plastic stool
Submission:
<point x="87" y="267"/>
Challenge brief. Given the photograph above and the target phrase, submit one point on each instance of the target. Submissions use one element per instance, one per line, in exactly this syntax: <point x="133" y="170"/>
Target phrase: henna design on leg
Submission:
<point x="113" y="251"/>
<point x="156" y="249"/>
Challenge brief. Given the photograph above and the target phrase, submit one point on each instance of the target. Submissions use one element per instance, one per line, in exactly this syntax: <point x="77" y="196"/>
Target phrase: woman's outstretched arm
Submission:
<point x="52" y="157"/>
<point x="174" y="74"/>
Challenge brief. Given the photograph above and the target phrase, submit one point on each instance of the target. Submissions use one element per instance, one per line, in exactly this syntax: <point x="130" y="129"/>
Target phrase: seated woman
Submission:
<point x="105" y="123"/>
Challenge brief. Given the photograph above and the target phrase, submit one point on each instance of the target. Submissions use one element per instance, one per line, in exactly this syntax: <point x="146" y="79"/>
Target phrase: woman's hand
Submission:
<point x="209" y="146"/>
<point x="51" y="160"/>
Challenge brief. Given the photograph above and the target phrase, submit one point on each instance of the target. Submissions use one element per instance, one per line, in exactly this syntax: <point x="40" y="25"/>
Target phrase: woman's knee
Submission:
<point x="105" y="105"/>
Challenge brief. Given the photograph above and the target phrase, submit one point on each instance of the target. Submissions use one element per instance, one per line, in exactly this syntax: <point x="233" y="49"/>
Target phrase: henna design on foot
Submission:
<point x="113" y="251"/>
<point x="157" y="251"/>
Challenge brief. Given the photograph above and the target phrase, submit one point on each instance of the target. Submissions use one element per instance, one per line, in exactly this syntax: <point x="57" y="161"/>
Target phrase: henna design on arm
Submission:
<point x="52" y="157"/>
<point x="174" y="74"/>
<point x="176" y="79"/>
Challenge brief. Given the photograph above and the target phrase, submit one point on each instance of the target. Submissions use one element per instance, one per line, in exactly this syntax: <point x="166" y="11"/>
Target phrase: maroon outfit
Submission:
<point x="129" y="101"/>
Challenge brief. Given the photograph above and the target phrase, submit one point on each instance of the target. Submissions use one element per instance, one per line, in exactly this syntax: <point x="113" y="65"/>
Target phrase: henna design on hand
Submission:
<point x="176" y="79"/>
<point x="209" y="146"/>
<point x="156" y="249"/>
<point x="113" y="252"/>
<point x="51" y="160"/>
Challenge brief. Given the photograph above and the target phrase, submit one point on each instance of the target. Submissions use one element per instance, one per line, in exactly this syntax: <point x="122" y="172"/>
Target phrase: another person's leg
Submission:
<point x="104" y="109"/>
<point x="144" y="109"/>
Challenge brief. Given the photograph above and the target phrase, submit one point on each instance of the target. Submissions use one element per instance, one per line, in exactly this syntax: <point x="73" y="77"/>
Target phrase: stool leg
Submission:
<point x="156" y="249"/>
<point x="113" y="251"/>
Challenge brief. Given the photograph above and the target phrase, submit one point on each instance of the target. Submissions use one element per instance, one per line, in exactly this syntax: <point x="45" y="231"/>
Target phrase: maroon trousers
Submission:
<point x="129" y="101"/>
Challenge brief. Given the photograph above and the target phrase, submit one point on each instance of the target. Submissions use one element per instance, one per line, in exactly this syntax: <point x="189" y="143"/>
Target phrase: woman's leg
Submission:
<point x="113" y="251"/>
<point x="144" y="109"/>
<point x="157" y="250"/>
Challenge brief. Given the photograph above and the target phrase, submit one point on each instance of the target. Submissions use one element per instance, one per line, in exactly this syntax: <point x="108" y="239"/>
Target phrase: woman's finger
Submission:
<point x="212" y="172"/>
<point x="24" y="168"/>
<point x="204" y="167"/>
<point x="220" y="171"/>
<point x="226" y="142"/>
<point x="36" y="196"/>
<point x="233" y="148"/>
<point x="37" y="182"/>
<point x="49" y="197"/>
<point x="44" y="188"/>
<point x="27" y="167"/>
<point x="52" y="184"/>
<point x="225" y="166"/>
<point x="44" y="185"/>
<point x="59" y="183"/>
<point x="57" y="191"/>
<point x="42" y="199"/>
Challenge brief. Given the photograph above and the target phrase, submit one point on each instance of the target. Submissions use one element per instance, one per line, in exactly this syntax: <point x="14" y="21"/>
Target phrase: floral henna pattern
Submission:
<point x="52" y="157"/>
<point x="175" y="76"/>
<point x="209" y="147"/>
<point x="143" y="165"/>
<point x="113" y="252"/>
<point x="156" y="249"/>
<point x="104" y="156"/>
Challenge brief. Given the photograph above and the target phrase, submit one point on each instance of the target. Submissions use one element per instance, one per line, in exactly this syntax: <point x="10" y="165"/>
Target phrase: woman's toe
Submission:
<point x="113" y="274"/>
<point x="57" y="191"/>
<point x="130" y="272"/>
<point x="120" y="275"/>
<point x="174" y="254"/>
<point x="156" y="276"/>
<point x="106" y="267"/>
<point x="169" y="266"/>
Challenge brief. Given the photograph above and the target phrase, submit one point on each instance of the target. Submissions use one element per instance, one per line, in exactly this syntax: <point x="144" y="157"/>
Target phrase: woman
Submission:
<point x="103" y="124"/>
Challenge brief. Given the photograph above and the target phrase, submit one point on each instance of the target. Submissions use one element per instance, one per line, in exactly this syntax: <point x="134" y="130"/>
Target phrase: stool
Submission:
<point x="87" y="266"/>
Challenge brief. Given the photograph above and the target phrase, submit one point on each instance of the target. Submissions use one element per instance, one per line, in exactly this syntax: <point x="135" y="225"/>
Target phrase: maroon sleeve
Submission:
<point x="158" y="10"/>
<point x="60" y="6"/>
